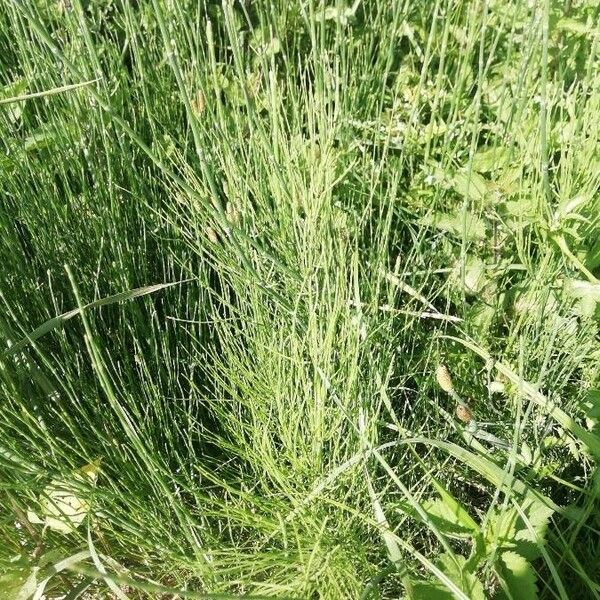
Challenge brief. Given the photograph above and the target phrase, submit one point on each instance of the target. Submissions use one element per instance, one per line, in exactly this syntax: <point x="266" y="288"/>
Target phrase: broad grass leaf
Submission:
<point x="518" y="575"/>
<point x="489" y="470"/>
<point x="570" y="206"/>
<point x="590" y="440"/>
<point x="28" y="589"/>
<point x="16" y="91"/>
<point x="55" y="322"/>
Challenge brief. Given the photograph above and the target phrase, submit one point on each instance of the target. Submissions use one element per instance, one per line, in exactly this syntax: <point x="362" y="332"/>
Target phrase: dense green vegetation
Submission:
<point x="299" y="299"/>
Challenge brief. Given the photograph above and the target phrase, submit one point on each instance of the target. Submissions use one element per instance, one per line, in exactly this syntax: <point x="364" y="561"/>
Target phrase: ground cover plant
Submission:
<point x="299" y="299"/>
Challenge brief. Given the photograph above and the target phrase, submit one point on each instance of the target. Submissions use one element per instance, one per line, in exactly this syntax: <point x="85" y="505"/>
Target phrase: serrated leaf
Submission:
<point x="586" y="294"/>
<point x="509" y="531"/>
<point x="518" y="575"/>
<point x="538" y="515"/>
<point x="341" y="14"/>
<point x="536" y="301"/>
<point x="446" y="514"/>
<point x="64" y="511"/>
<point x="591" y="404"/>
<point x="508" y="182"/>
<point x="8" y="93"/>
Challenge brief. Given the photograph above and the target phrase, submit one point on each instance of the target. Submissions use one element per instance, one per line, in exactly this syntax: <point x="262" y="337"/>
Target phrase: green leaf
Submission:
<point x="586" y="294"/>
<point x="591" y="405"/>
<point x="57" y="90"/>
<point x="453" y="521"/>
<point x="592" y="257"/>
<point x="427" y="590"/>
<point x="453" y="223"/>
<point x="8" y="94"/>
<point x="578" y="288"/>
<point x="475" y="275"/>
<point x="463" y="518"/>
<point x="508" y="530"/>
<point x="455" y="568"/>
<point x="18" y="583"/>
<point x="39" y="140"/>
<point x="522" y="209"/>
<point x="518" y="575"/>
<point x="457" y="572"/>
<point x="509" y="181"/>
<point x="490" y="158"/>
<point x="61" y="505"/>
<point x="29" y="587"/>
<point x="590" y="440"/>
<point x="570" y="206"/>
<point x="471" y="186"/>
<point x="342" y="14"/>
<point x="488" y="469"/>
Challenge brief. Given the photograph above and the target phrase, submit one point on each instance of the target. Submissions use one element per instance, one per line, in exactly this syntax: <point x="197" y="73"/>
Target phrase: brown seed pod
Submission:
<point x="464" y="413"/>
<point x="443" y="378"/>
